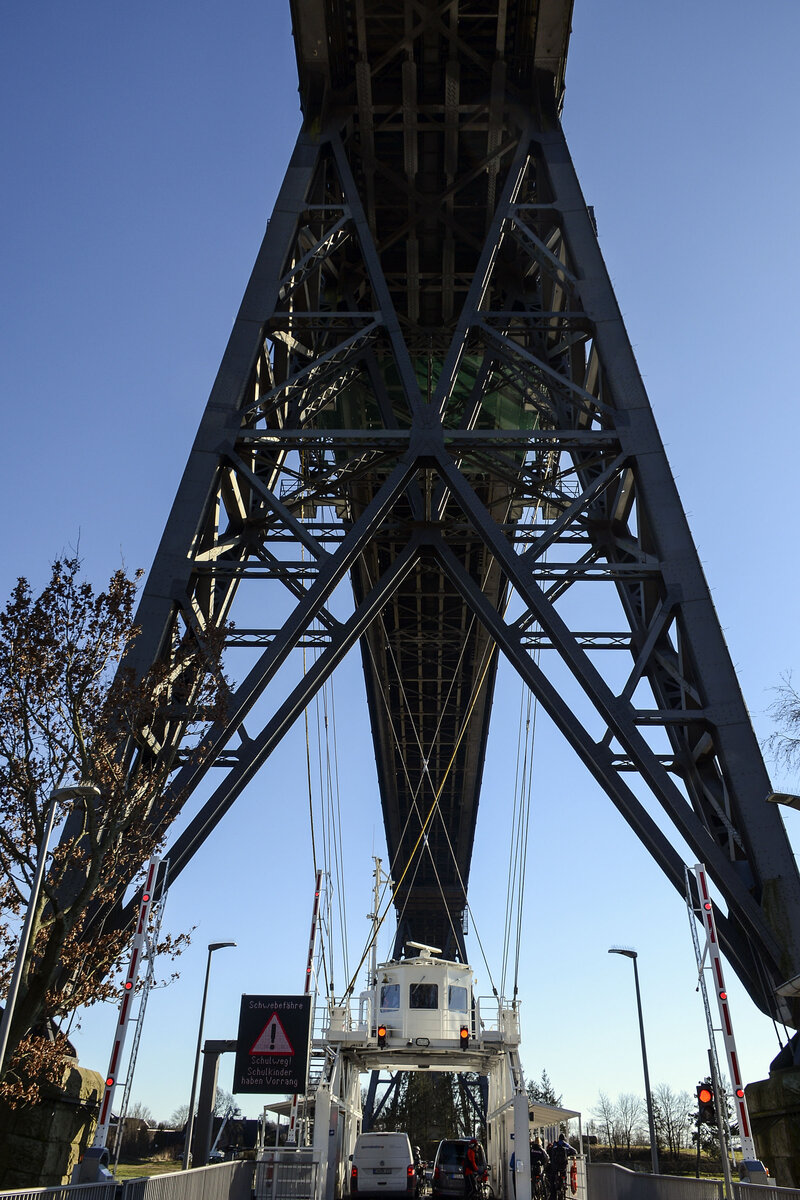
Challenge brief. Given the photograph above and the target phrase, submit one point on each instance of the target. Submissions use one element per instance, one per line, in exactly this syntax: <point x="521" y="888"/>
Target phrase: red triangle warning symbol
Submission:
<point x="272" y="1039"/>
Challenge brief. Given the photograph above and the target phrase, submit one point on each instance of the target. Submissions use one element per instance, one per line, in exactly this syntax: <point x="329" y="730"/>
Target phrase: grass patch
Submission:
<point x="140" y="1170"/>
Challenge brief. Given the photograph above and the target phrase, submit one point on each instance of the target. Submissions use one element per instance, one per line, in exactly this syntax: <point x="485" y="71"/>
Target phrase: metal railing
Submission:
<point x="67" y="1191"/>
<point x="488" y="1015"/>
<point x="609" y="1181"/>
<point x="223" y="1181"/>
<point x="286" y="1176"/>
<point x="744" y="1191"/>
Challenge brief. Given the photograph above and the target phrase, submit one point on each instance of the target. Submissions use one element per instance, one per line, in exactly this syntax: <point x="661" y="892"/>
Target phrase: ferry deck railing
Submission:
<point x="67" y="1191"/>
<point x="610" y="1181"/>
<point x="222" y="1181"/>
<point x="488" y="1015"/>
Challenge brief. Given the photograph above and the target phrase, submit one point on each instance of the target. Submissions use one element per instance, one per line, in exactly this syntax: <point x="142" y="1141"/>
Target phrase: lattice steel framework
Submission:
<point x="429" y="390"/>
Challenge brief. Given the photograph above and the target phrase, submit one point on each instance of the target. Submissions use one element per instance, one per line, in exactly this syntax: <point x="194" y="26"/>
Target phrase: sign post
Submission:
<point x="272" y="1046"/>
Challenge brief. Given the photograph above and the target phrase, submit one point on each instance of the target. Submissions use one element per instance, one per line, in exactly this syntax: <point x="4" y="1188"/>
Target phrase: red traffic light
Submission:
<point x="706" y="1109"/>
<point x="463" y="1037"/>
<point x="381" y="1035"/>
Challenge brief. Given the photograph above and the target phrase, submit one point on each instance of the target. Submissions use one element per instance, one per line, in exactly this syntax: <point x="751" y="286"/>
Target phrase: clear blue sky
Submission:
<point x="142" y="149"/>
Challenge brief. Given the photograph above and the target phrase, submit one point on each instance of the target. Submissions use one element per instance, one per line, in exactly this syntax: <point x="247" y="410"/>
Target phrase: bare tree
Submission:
<point x="70" y="713"/>
<point x="672" y="1114"/>
<point x="134" y="1134"/>
<point x="141" y="1112"/>
<point x="606" y="1116"/>
<point x="225" y="1104"/>
<point x="179" y="1117"/>
<point x="629" y="1110"/>
<point x="784" y="743"/>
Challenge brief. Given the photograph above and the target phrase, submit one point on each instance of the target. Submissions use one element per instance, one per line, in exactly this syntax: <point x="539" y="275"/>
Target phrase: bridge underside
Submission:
<point x="426" y="91"/>
<point x="429" y="402"/>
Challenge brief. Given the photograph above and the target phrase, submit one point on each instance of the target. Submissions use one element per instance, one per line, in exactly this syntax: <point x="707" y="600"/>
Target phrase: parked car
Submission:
<point x="382" y="1164"/>
<point x="448" y="1166"/>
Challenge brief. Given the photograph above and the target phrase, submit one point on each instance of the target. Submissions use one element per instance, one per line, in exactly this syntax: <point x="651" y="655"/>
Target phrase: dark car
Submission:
<point x="448" y="1166"/>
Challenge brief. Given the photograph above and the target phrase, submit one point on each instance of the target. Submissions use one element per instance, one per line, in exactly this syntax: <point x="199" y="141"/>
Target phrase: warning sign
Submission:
<point x="272" y="1047"/>
<point x="273" y="1039"/>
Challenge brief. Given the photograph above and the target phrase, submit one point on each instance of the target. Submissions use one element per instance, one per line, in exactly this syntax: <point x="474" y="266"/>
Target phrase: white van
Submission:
<point x="383" y="1162"/>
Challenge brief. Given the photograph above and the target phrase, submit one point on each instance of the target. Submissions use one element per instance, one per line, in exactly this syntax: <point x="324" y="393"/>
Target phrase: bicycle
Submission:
<point x="559" y="1191"/>
<point x="477" y="1187"/>
<point x="483" y="1189"/>
<point x="539" y="1189"/>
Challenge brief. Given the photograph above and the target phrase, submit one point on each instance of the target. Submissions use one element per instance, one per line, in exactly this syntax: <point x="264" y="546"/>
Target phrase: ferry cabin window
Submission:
<point x="423" y="995"/>
<point x="457" y="999"/>
<point x="390" y="996"/>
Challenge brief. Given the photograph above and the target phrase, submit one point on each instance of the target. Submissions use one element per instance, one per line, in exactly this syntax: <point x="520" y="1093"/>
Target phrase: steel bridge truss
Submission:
<point x="473" y="449"/>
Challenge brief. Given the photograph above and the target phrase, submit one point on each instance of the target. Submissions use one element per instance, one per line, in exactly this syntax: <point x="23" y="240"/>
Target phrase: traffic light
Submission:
<point x="463" y="1037"/>
<point x="706" y="1110"/>
<point x="381" y="1036"/>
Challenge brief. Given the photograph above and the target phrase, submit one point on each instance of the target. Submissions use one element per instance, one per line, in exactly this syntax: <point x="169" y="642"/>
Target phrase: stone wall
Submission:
<point x="774" y="1106"/>
<point x="40" y="1145"/>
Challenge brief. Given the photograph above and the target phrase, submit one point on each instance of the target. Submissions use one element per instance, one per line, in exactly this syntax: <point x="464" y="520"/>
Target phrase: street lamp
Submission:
<point x="76" y="791"/>
<point x="187" y="1149"/>
<point x="650" y="1119"/>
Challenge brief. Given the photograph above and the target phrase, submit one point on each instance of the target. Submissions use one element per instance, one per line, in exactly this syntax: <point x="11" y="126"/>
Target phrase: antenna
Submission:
<point x="423" y="948"/>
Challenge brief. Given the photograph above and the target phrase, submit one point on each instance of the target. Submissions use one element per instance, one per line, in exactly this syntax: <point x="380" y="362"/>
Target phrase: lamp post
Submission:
<point x="650" y="1118"/>
<point x="78" y="790"/>
<point x="187" y="1149"/>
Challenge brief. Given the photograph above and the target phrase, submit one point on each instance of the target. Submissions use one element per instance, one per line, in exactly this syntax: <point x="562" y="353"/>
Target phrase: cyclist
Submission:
<point x="560" y="1153"/>
<point x="539" y="1164"/>
<point x="472" y="1169"/>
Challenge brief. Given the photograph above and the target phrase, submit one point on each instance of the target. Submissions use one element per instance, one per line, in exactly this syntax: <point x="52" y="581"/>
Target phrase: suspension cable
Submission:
<point x="323" y="958"/>
<point x="525" y="798"/>
<point x="338" y="827"/>
<point x="509" y="875"/>
<point x="518" y="848"/>
<point x="433" y="809"/>
<point x="426" y="769"/>
<point x="333" y="815"/>
<point x="524" y="836"/>
<point x="326" y="843"/>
